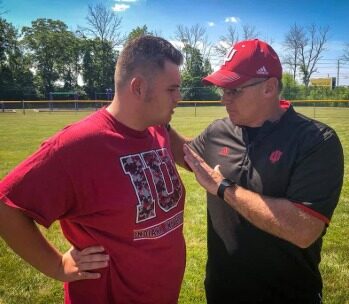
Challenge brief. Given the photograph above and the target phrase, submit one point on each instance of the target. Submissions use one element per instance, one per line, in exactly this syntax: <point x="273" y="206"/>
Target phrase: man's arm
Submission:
<point x="177" y="141"/>
<point x="21" y="233"/>
<point x="276" y="216"/>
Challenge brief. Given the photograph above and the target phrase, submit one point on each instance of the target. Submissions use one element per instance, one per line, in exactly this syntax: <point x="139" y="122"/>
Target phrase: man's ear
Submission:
<point x="271" y="86"/>
<point x="137" y="86"/>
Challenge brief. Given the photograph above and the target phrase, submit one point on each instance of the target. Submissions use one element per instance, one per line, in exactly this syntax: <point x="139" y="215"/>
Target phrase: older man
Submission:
<point x="276" y="181"/>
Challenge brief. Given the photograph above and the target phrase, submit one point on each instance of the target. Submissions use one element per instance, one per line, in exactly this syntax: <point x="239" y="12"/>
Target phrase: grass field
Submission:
<point x="21" y="134"/>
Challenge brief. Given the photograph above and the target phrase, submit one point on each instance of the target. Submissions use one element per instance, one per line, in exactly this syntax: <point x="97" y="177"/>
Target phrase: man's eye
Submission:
<point x="232" y="92"/>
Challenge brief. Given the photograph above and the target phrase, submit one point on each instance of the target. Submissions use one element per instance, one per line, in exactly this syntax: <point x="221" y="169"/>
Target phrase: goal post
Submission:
<point x="63" y="97"/>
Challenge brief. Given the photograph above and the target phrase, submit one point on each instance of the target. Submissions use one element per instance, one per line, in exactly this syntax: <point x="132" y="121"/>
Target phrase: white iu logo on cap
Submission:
<point x="230" y="55"/>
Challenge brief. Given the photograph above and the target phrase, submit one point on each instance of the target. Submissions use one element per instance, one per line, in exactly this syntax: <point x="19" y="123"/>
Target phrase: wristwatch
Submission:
<point x="225" y="183"/>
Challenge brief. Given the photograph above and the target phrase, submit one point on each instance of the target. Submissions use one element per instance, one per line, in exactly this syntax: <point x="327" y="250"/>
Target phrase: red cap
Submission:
<point x="246" y="60"/>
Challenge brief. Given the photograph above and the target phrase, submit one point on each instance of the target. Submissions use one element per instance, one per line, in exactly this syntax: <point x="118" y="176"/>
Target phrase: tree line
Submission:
<point x="48" y="57"/>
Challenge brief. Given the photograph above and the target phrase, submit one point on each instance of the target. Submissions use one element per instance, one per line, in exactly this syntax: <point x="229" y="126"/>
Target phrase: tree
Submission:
<point x="196" y="68"/>
<point x="16" y="79"/>
<point x="138" y="32"/>
<point x="98" y="74"/>
<point x="290" y="87"/>
<point x="89" y="72"/>
<point x="194" y="64"/>
<point x="103" y="24"/>
<point x="305" y="47"/>
<point x="7" y="33"/>
<point x="310" y="53"/>
<point x="226" y="41"/>
<point x="293" y="41"/>
<point x="49" y="44"/>
<point x="69" y="61"/>
<point x="233" y="36"/>
<point x="195" y="37"/>
<point x="99" y="54"/>
<point x="249" y="31"/>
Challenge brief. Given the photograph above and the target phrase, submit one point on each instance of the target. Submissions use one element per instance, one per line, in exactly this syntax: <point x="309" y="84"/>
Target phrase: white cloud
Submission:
<point x="210" y="23"/>
<point x="120" y="7"/>
<point x="126" y="0"/>
<point x="232" y="19"/>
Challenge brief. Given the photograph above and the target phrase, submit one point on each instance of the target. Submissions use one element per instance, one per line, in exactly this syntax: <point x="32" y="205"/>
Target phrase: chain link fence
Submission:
<point x="313" y="97"/>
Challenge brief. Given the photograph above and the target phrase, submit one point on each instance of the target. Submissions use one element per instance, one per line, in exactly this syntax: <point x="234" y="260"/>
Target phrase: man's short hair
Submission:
<point x="146" y="54"/>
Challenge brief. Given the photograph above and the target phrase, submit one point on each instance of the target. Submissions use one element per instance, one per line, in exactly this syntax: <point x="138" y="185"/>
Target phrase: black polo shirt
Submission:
<point x="296" y="158"/>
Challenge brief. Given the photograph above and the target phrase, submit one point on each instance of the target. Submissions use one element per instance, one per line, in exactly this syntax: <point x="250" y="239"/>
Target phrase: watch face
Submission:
<point x="225" y="183"/>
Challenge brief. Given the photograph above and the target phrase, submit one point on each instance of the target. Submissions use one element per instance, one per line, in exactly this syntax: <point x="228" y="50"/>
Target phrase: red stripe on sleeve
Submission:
<point x="313" y="213"/>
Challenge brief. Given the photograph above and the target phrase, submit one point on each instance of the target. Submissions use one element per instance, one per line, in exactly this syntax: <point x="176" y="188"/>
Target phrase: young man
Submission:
<point x="110" y="180"/>
<point x="272" y="196"/>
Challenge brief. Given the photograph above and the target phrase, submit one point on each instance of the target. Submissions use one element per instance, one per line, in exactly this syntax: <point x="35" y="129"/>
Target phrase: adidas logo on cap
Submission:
<point x="262" y="71"/>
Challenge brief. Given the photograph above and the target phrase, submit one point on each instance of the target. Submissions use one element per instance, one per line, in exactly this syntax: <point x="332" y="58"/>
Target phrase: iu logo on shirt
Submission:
<point x="275" y="156"/>
<point x="159" y="164"/>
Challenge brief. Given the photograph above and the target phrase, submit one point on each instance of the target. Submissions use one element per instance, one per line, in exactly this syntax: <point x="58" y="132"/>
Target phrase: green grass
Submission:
<point x="21" y="135"/>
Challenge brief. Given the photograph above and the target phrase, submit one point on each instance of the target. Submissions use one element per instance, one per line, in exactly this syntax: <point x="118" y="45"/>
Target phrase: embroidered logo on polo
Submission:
<point x="275" y="156"/>
<point x="224" y="151"/>
<point x="160" y="166"/>
<point x="262" y="71"/>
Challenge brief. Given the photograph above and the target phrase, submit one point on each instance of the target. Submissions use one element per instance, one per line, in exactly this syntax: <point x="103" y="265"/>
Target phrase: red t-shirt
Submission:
<point x="116" y="187"/>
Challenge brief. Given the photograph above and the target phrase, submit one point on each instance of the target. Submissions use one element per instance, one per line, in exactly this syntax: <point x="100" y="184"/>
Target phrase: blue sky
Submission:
<point x="272" y="19"/>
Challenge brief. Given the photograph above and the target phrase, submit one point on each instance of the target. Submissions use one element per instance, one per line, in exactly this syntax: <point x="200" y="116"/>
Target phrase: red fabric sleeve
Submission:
<point x="39" y="186"/>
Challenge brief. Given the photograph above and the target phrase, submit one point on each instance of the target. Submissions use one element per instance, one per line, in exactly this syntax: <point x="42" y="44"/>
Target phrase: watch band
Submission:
<point x="225" y="183"/>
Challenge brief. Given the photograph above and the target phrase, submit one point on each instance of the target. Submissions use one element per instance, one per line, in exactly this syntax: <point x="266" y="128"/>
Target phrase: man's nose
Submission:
<point x="177" y="98"/>
<point x="226" y="101"/>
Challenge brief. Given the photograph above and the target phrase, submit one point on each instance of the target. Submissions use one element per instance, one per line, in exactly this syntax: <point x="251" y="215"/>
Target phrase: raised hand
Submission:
<point x="206" y="176"/>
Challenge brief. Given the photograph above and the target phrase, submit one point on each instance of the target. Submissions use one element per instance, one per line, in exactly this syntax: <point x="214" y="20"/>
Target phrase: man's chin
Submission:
<point x="233" y="119"/>
<point x="165" y="121"/>
<point x="169" y="118"/>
